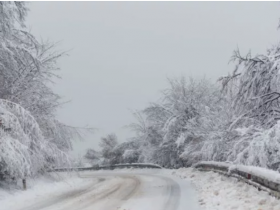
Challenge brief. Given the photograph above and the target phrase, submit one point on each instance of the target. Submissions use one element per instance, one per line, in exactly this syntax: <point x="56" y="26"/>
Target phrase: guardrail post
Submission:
<point x="24" y="184"/>
<point x="248" y="176"/>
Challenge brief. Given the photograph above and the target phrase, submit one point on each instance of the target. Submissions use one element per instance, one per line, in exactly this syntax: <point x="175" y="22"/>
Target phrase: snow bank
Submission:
<point x="269" y="175"/>
<point x="264" y="173"/>
<point x="217" y="192"/>
<point x="214" y="163"/>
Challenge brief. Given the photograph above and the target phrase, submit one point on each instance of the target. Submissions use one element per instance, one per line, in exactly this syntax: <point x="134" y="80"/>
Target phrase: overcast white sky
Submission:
<point x="122" y="52"/>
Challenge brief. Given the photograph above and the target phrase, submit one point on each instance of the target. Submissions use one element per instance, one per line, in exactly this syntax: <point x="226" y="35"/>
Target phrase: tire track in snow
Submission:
<point x="117" y="191"/>
<point x="63" y="198"/>
<point x="173" y="190"/>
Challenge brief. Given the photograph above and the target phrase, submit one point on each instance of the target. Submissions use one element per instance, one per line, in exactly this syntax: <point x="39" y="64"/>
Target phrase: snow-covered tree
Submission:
<point x="255" y="108"/>
<point x="107" y="145"/>
<point x="197" y="120"/>
<point x="31" y="138"/>
<point x="173" y="132"/>
<point x="93" y="156"/>
<point x="130" y="156"/>
<point x="24" y="150"/>
<point x="126" y="152"/>
<point x="257" y="99"/>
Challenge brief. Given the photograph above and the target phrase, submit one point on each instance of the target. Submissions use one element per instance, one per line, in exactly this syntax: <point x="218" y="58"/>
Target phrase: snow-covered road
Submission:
<point x="121" y="190"/>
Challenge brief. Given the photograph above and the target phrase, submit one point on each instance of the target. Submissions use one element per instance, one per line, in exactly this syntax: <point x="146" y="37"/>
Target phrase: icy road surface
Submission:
<point x="122" y="190"/>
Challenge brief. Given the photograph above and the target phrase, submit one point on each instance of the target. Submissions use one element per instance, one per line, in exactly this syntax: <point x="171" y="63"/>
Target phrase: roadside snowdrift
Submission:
<point x="217" y="192"/>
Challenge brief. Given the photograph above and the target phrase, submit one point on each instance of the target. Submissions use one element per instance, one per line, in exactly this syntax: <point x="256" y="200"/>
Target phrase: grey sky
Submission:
<point x="122" y="52"/>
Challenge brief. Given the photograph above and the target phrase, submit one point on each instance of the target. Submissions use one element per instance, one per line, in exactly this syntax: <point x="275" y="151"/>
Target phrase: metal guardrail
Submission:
<point x="108" y="167"/>
<point x="261" y="183"/>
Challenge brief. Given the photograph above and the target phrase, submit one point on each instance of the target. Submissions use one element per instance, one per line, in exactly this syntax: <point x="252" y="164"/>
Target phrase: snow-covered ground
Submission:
<point x="52" y="185"/>
<point x="137" y="189"/>
<point x="217" y="192"/>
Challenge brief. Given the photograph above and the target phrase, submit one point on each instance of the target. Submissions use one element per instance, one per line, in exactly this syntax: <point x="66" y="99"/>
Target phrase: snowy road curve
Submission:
<point x="122" y="190"/>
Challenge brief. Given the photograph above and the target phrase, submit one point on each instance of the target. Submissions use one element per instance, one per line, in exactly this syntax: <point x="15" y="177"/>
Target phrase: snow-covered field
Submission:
<point x="137" y="189"/>
<point x="217" y="192"/>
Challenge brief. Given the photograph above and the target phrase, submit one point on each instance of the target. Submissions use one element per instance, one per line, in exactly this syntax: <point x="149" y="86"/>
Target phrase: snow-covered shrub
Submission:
<point x="108" y="145"/>
<point x="260" y="148"/>
<point x="130" y="156"/>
